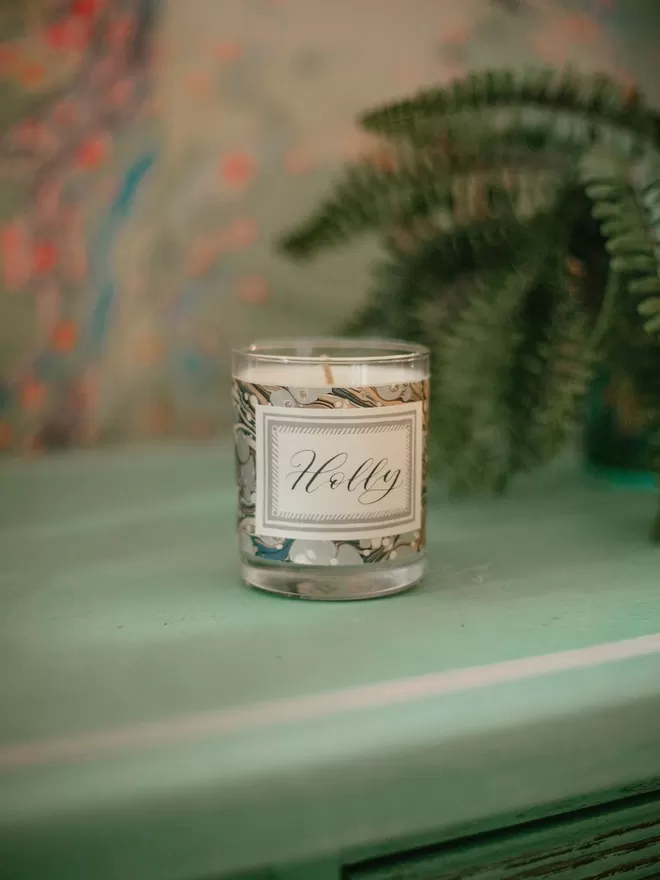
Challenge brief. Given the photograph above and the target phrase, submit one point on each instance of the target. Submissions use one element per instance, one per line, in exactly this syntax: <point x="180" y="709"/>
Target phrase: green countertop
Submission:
<point x="159" y="720"/>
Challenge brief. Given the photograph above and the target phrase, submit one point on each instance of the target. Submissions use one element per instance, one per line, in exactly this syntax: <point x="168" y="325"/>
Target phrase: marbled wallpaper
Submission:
<point x="150" y="153"/>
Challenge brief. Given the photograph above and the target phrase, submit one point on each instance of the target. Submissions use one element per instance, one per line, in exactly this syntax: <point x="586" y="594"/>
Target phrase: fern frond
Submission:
<point x="370" y="198"/>
<point x="551" y="370"/>
<point x="593" y="98"/>
<point x="422" y="185"/>
<point x="507" y="202"/>
<point x="418" y="288"/>
<point x="472" y="361"/>
<point x="626" y="201"/>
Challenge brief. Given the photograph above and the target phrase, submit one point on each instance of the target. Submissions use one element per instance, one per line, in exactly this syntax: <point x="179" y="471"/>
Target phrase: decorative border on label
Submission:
<point x="272" y="519"/>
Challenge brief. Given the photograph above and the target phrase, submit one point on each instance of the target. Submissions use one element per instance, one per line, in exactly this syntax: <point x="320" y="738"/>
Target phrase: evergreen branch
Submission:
<point x="413" y="288"/>
<point x="626" y="201"/>
<point x="473" y="354"/>
<point x="599" y="338"/>
<point x="521" y="214"/>
<point x="551" y="370"/>
<point x="595" y="99"/>
<point x="568" y="362"/>
<point x="423" y="185"/>
<point x="371" y="198"/>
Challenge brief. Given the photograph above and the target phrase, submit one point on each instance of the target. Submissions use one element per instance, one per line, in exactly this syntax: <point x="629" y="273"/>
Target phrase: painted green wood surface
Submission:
<point x="617" y="841"/>
<point x="158" y="720"/>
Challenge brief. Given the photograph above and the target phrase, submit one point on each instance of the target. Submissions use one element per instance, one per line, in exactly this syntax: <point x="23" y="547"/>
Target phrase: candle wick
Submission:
<point x="327" y="371"/>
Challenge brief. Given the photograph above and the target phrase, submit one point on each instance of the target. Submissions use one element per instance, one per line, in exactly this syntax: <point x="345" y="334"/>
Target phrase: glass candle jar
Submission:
<point x="331" y="464"/>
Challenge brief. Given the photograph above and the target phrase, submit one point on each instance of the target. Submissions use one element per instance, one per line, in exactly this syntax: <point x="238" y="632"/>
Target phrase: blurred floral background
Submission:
<point x="151" y="152"/>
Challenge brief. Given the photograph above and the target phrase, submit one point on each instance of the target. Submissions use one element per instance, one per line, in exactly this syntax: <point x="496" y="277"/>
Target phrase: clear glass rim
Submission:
<point x="329" y="350"/>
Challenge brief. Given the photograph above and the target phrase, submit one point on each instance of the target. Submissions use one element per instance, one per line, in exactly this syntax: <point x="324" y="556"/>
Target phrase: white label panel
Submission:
<point x="338" y="475"/>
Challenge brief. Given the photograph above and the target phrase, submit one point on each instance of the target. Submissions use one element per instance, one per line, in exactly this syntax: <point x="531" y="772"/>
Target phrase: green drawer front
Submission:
<point x="601" y="844"/>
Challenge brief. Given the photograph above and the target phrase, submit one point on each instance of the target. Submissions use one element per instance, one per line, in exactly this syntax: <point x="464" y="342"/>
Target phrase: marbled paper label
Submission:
<point x="332" y="476"/>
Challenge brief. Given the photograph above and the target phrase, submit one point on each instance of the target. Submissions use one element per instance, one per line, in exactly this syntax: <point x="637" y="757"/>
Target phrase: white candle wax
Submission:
<point x="344" y="375"/>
